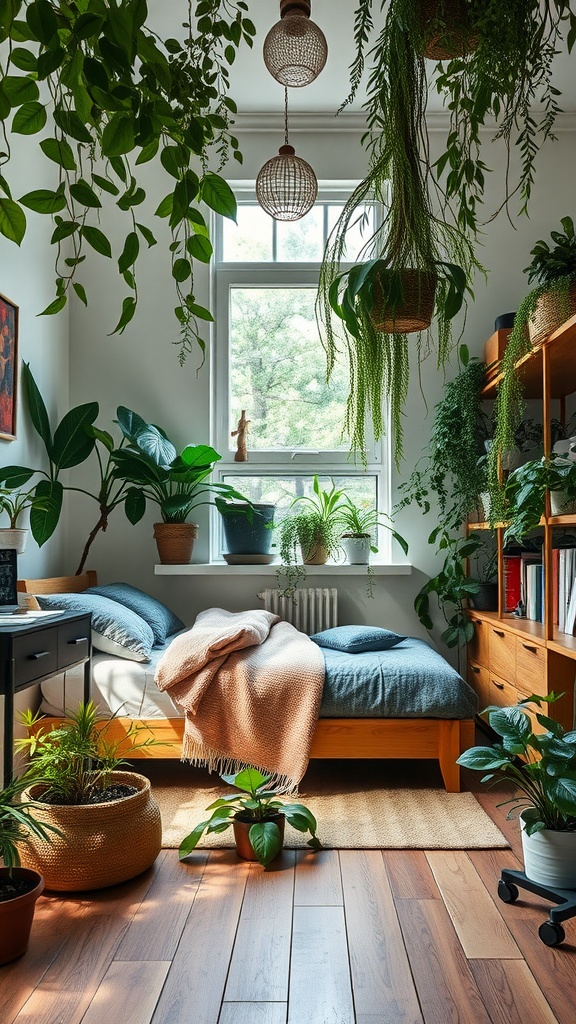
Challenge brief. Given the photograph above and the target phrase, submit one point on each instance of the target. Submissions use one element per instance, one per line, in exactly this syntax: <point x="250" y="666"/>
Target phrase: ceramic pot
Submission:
<point x="560" y="504"/>
<point x="486" y="600"/>
<point x="315" y="555"/>
<point x="175" y="542"/>
<point x="245" y="535"/>
<point x="242" y="836"/>
<point x="356" y="547"/>
<point x="16" y="915"/>
<point x="101" y="844"/>
<point x="550" y="858"/>
<point x="13" y="539"/>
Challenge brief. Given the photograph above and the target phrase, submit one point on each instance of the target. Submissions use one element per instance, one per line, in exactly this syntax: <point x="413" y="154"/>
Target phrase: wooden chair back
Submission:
<point x="57" y="585"/>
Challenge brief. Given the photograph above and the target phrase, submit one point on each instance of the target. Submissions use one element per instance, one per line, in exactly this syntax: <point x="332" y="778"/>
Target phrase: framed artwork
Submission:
<point x="8" y="367"/>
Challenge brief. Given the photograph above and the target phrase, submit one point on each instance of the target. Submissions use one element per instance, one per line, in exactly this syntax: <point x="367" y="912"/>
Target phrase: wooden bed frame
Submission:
<point x="442" y="739"/>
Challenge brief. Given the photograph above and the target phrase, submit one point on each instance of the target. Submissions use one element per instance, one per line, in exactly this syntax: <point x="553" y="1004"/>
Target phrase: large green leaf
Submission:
<point x="130" y="423"/>
<point x="156" y="445"/>
<point x="484" y="758"/>
<point x="15" y="476"/>
<point x="199" y="456"/>
<point x="43" y="200"/>
<point x="191" y="841"/>
<point x="37" y="408"/>
<point x="12" y="220"/>
<point x="218" y="195"/>
<point x="83" y="193"/>
<point x="563" y="792"/>
<point x="42" y="20"/>
<point x="118" y="135"/>
<point x="513" y="725"/>
<point x="29" y="119"/>
<point x="20" y="89"/>
<point x="265" y="840"/>
<point x="72" y="444"/>
<point x="60" y="152"/>
<point x="134" y="505"/>
<point x="43" y="521"/>
<point x="97" y="239"/>
<point x="248" y="780"/>
<point x="137" y="468"/>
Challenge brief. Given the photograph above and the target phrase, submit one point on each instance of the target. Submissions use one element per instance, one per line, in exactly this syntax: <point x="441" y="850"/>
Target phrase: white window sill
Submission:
<point x="330" y="569"/>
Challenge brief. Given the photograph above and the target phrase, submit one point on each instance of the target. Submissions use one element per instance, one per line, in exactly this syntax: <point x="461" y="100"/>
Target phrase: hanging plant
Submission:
<point x="115" y="96"/>
<point x="412" y="253"/>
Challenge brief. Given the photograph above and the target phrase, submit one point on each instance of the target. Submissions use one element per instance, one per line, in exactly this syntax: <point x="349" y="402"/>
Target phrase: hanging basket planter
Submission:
<point x="457" y="39"/>
<point x="553" y="308"/>
<point x="416" y="308"/>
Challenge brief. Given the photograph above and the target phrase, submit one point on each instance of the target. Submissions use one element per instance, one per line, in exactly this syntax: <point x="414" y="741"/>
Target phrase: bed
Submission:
<point x="363" y="712"/>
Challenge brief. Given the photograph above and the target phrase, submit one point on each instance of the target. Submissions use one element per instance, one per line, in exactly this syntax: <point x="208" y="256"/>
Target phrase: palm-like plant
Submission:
<point x="17" y="819"/>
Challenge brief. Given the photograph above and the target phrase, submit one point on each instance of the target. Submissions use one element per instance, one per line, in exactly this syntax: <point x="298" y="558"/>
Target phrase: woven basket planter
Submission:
<point x="415" y="312"/>
<point x="458" y="40"/>
<point x="101" y="844"/>
<point x="175" y="542"/>
<point x="552" y="309"/>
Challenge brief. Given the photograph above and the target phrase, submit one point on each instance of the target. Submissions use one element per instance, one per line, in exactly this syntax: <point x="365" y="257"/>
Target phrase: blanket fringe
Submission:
<point x="201" y="756"/>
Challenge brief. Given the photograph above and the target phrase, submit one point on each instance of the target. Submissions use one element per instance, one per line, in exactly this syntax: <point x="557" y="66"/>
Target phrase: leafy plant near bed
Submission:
<point x="554" y="268"/>
<point x="413" y="256"/>
<point x="116" y="96"/>
<point x="262" y="814"/>
<point x="451" y="587"/>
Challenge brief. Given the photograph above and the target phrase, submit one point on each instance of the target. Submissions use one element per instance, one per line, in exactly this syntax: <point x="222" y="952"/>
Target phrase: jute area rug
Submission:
<point x="358" y="805"/>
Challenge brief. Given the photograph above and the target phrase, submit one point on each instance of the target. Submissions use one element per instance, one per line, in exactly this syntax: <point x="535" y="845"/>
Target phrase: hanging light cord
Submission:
<point x="286" y="115"/>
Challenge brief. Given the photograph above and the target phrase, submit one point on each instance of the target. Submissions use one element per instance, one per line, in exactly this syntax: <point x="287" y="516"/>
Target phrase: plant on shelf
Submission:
<point x="14" y="501"/>
<point x="257" y="816"/>
<point x="546" y="779"/>
<point x="451" y="587"/>
<point x="310" y="535"/>
<point x="416" y="264"/>
<point x="485" y="574"/>
<point x="83" y="793"/>
<point x="155" y="472"/>
<point x="525" y="493"/>
<point x="544" y="309"/>
<point x="108" y="95"/>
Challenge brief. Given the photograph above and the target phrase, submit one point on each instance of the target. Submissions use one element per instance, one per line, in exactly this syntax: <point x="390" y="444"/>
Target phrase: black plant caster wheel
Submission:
<point x="508" y="892"/>
<point x="551" y="933"/>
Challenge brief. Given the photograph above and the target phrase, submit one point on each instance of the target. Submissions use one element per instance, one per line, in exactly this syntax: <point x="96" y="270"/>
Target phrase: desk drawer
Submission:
<point x="35" y="655"/>
<point x="73" y="641"/>
<point x="478" y="645"/>
<point x="502" y="653"/>
<point x="502" y="693"/>
<point x="531" y="660"/>
<point x="479" y="679"/>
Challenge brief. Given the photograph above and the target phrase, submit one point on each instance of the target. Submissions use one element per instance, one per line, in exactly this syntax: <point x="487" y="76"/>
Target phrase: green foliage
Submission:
<point x="451" y="587"/>
<point x="75" y="759"/>
<point x="525" y="492"/>
<point x="15" y="502"/>
<point x="410" y="236"/>
<point x="550" y="263"/>
<point x="257" y="804"/>
<point x="546" y="778"/>
<point x="316" y="525"/>
<point x="116" y="96"/>
<point x="177" y="483"/>
<point x="17" y="818"/>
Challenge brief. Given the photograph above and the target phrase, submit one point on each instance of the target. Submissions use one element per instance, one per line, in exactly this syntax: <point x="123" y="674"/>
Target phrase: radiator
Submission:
<point x="309" y="610"/>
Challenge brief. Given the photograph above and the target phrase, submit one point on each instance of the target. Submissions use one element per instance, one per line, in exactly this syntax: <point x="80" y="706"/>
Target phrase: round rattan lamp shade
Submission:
<point x="295" y="50"/>
<point x="286" y="186"/>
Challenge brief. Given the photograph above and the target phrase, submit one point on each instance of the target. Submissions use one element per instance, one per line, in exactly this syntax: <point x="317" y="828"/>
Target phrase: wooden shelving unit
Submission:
<point x="510" y="658"/>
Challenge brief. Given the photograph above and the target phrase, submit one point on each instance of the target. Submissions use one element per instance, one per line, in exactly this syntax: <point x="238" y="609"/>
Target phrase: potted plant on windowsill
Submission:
<point x="177" y="483"/>
<point x="108" y="823"/>
<point x="19" y="887"/>
<point x="310" y="535"/>
<point x="359" y="525"/>
<point x="257" y="816"/>
<point x="546" y="779"/>
<point x="248" y="528"/>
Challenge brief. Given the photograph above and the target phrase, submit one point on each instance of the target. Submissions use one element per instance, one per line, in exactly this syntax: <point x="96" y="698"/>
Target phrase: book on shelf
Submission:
<point x="534" y="590"/>
<point x="512" y="581"/>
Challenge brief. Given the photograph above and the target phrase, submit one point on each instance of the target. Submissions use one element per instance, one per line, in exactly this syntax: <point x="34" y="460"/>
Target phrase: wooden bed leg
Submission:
<point x="449" y="750"/>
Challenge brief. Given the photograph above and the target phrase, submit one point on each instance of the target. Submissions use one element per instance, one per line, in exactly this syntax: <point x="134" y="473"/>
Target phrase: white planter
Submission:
<point x="550" y="858"/>
<point x="13" y="539"/>
<point x="357" y="549"/>
<point x="560" y="505"/>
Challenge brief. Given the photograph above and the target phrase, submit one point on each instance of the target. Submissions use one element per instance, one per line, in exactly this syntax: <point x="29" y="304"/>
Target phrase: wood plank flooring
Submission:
<point x="339" y="937"/>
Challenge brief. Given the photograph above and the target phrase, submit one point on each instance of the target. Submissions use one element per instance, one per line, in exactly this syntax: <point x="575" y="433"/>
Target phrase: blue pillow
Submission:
<point x="356" y="639"/>
<point x="161" y="620"/>
<point x="115" y="629"/>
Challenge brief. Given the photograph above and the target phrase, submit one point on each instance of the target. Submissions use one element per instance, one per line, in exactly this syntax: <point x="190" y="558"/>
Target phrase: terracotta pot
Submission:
<point x="175" y="542"/>
<point x="415" y="312"/>
<point x="242" y="837"/>
<point x="101" y="844"/>
<point x="16" y="915"/>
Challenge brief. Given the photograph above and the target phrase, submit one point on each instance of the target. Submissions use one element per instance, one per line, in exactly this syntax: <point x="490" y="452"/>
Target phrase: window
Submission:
<point x="270" y="362"/>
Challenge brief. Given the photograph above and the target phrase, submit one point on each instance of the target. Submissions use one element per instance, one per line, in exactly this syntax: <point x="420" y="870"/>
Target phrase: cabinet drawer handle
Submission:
<point x="499" y="632"/>
<point x="499" y="686"/>
<point x="531" y="648"/>
<point x="40" y="654"/>
<point x="78" y="640"/>
<point x="474" y="668"/>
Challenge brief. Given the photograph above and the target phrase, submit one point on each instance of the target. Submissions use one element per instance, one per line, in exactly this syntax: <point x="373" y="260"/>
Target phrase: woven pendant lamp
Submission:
<point x="286" y="186"/>
<point x="295" y="49"/>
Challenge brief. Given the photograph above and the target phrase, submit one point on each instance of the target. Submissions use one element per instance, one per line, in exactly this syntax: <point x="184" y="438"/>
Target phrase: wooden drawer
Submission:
<point x="502" y="653"/>
<point x="478" y="645"/>
<point x="73" y="641"/>
<point x="501" y="692"/>
<point x="531" y="664"/>
<point x="35" y="655"/>
<point x="479" y="679"/>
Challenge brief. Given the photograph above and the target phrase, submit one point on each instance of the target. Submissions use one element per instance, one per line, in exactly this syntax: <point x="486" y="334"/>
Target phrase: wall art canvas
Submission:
<point x="8" y="367"/>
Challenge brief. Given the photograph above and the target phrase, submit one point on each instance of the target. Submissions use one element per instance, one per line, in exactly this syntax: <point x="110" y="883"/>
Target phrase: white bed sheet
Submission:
<point x="119" y="687"/>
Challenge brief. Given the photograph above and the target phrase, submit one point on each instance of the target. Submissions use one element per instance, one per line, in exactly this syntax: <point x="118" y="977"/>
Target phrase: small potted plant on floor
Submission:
<point x="19" y="887"/>
<point x="108" y="822"/>
<point x="257" y="816"/>
<point x="546" y="779"/>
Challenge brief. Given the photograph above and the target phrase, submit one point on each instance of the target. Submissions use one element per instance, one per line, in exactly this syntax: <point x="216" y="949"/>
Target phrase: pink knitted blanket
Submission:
<point x="251" y="687"/>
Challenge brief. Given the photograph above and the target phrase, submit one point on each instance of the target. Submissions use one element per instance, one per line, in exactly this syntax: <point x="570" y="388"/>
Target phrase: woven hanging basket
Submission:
<point x="101" y="844"/>
<point x="416" y="310"/>
<point x="175" y="542"/>
<point x="458" y="39"/>
<point x="552" y="309"/>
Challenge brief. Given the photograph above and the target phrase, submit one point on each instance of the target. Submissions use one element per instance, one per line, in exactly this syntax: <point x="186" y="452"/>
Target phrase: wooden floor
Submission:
<point x="340" y="937"/>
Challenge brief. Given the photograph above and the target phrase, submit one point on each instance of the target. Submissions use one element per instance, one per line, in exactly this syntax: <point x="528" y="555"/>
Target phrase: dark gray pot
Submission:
<point x="245" y="537"/>
<point x="486" y="600"/>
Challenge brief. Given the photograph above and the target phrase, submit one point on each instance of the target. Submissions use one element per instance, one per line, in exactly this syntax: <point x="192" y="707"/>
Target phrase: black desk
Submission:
<point x="34" y="651"/>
